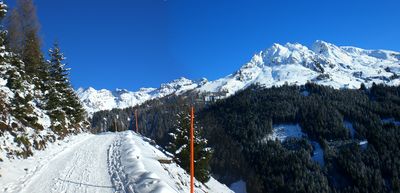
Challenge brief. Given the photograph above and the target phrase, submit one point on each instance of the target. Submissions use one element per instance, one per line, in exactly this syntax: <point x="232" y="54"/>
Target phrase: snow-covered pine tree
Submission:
<point x="3" y="11"/>
<point x="65" y="109"/>
<point x="74" y="109"/>
<point x="12" y="70"/>
<point x="3" y="104"/>
<point x="27" y="102"/>
<point x="24" y="41"/>
<point x="3" y="34"/>
<point x="179" y="146"/>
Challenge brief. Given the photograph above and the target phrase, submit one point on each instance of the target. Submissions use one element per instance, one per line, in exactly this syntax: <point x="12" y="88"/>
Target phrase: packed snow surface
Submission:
<point x="109" y="162"/>
<point x="29" y="175"/>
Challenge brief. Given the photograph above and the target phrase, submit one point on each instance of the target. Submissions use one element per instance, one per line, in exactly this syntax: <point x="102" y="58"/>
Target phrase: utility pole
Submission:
<point x="192" y="150"/>
<point x="136" y="117"/>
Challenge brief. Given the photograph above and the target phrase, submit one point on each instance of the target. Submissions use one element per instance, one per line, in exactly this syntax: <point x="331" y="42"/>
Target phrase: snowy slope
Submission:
<point x="322" y="63"/>
<point x="97" y="100"/>
<point x="13" y="131"/>
<point x="109" y="162"/>
<point x="143" y="172"/>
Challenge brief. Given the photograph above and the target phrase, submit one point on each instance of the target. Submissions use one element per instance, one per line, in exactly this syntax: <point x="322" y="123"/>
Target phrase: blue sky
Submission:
<point x="143" y="43"/>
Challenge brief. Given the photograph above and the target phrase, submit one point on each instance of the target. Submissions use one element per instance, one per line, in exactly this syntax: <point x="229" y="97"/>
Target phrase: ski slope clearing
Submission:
<point x="109" y="162"/>
<point x="283" y="131"/>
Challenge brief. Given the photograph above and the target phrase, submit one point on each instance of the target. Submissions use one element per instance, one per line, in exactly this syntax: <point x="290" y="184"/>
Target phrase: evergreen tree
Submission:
<point x="21" y="21"/>
<point x="74" y="109"/>
<point x="64" y="106"/>
<point x="17" y="81"/>
<point x="3" y="10"/>
<point x="14" y="35"/>
<point x="33" y="93"/>
<point x="12" y="69"/>
<point x="180" y="148"/>
<point x="32" y="55"/>
<point x="3" y="33"/>
<point x="3" y="105"/>
<point x="23" y="38"/>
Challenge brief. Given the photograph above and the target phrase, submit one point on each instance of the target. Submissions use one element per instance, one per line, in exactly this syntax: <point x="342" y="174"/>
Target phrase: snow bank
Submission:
<point x="141" y="170"/>
<point x="138" y="177"/>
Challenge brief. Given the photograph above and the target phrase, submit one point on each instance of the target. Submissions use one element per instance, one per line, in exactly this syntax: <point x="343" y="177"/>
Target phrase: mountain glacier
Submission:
<point x="322" y="63"/>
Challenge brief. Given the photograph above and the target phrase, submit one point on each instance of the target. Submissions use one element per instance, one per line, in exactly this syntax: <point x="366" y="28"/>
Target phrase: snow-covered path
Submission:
<point x="111" y="162"/>
<point x="79" y="169"/>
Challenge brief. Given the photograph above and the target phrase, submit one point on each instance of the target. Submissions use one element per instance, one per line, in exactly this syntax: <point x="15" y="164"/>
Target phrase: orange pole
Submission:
<point x="137" y="128"/>
<point x="192" y="151"/>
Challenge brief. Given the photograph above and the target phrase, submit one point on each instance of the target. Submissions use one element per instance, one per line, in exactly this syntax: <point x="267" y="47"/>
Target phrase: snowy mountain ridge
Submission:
<point x="322" y="63"/>
<point x="97" y="100"/>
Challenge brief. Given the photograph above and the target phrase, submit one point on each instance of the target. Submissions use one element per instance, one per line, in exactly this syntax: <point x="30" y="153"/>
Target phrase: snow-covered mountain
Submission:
<point x="322" y="63"/>
<point x="97" y="100"/>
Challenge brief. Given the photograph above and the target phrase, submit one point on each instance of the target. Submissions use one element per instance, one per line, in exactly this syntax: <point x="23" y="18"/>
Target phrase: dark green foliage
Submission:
<point x="4" y="111"/>
<point x="34" y="89"/>
<point x="236" y="127"/>
<point x="74" y="108"/>
<point x="63" y="104"/>
<point x="282" y="170"/>
<point x="24" y="41"/>
<point x="155" y="117"/>
<point x="320" y="113"/>
<point x="24" y="141"/>
<point x="32" y="55"/>
<point x="17" y="82"/>
<point x="3" y="10"/>
<point x="180" y="147"/>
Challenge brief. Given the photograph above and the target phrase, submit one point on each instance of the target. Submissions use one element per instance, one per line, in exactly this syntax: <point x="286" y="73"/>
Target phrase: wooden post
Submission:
<point x="136" y="117"/>
<point x="192" y="151"/>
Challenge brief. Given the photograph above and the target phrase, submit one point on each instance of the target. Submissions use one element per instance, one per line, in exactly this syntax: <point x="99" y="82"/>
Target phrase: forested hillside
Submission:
<point x="37" y="104"/>
<point x="358" y="131"/>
